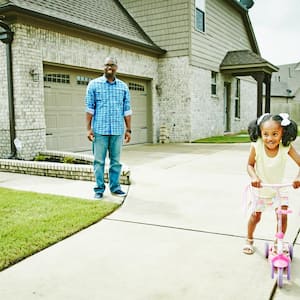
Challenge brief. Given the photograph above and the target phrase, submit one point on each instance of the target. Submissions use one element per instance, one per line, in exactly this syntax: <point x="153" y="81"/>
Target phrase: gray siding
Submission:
<point x="224" y="31"/>
<point x="166" y="22"/>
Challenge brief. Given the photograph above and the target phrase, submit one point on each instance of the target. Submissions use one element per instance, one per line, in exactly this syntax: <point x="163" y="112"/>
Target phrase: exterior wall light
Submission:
<point x="6" y="35"/>
<point x="35" y="75"/>
<point x="158" y="89"/>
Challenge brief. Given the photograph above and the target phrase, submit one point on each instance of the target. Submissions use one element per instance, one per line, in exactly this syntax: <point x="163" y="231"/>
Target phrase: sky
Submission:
<point x="276" y="25"/>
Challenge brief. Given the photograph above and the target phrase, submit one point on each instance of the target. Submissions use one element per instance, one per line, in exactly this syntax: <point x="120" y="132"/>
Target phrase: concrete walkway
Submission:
<point x="178" y="235"/>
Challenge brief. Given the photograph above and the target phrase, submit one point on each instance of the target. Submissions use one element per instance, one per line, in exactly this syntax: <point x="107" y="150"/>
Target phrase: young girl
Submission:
<point x="271" y="137"/>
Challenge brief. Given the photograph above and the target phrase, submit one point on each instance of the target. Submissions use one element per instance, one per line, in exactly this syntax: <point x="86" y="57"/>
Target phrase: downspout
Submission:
<point x="7" y="37"/>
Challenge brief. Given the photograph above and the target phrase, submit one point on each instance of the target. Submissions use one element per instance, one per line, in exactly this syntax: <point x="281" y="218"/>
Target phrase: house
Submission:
<point x="193" y="67"/>
<point x="285" y="91"/>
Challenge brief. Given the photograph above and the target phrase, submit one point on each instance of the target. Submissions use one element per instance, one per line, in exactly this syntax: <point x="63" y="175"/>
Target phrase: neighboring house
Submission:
<point x="285" y="91"/>
<point x="192" y="66"/>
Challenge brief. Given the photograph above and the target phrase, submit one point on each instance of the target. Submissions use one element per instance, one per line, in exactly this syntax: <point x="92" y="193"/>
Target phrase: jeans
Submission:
<point x="101" y="145"/>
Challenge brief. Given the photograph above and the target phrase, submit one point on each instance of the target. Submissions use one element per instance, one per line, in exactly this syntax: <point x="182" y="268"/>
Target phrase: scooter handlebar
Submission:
<point x="276" y="185"/>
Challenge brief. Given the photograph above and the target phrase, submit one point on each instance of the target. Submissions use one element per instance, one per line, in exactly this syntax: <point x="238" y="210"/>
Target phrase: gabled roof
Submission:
<point x="107" y="18"/>
<point x="286" y="80"/>
<point x="243" y="62"/>
<point x="245" y="16"/>
<point x="281" y="89"/>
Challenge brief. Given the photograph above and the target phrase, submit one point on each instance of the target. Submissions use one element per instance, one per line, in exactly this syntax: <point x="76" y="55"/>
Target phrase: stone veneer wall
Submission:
<point x="175" y="99"/>
<point x="207" y="110"/>
<point x="189" y="111"/>
<point x="207" y="113"/>
<point x="32" y="47"/>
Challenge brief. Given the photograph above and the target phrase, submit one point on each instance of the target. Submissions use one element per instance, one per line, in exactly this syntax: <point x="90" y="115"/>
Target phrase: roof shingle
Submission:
<point x="101" y="15"/>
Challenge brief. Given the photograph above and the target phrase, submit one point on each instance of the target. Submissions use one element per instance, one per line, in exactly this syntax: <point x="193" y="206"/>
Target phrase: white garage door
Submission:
<point x="141" y="118"/>
<point x="64" y="91"/>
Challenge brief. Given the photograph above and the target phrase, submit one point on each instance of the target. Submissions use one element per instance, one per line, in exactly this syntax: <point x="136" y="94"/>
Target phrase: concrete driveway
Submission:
<point x="179" y="234"/>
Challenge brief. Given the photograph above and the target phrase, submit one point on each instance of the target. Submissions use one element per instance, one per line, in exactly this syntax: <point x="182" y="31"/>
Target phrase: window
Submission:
<point x="200" y="15"/>
<point x="214" y="83"/>
<point x="82" y="80"/>
<point x="237" y="110"/>
<point x="135" y="86"/>
<point x="57" y="78"/>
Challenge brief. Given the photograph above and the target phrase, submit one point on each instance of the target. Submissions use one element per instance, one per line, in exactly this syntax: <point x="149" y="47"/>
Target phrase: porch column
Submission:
<point x="259" y="77"/>
<point x="268" y="93"/>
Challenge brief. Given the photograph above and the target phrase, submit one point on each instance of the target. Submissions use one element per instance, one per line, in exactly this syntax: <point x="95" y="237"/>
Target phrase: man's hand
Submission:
<point x="127" y="137"/>
<point x="90" y="135"/>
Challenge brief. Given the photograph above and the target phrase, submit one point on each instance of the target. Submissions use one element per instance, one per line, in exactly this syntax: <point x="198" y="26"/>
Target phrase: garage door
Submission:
<point x="64" y="91"/>
<point x="141" y="118"/>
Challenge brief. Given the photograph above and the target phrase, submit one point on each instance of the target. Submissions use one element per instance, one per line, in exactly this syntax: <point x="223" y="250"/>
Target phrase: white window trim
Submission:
<point x="200" y="6"/>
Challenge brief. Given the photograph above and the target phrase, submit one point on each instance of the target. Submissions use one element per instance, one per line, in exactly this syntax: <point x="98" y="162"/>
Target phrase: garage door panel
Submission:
<point x="65" y="142"/>
<point x="83" y="142"/>
<point x="139" y="135"/>
<point x="79" y="118"/>
<point x="65" y="121"/>
<point x="64" y="99"/>
<point x="50" y="99"/>
<point x="139" y="119"/>
<point x="51" y="142"/>
<point x="78" y="100"/>
<point x="51" y="121"/>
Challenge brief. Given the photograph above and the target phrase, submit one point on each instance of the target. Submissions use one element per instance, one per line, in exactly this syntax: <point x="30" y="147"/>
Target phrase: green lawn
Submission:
<point x="30" y="222"/>
<point x="241" y="137"/>
<point x="230" y="138"/>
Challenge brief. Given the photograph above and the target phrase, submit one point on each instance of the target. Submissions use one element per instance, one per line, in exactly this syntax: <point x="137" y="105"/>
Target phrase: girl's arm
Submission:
<point x="296" y="157"/>
<point x="255" y="181"/>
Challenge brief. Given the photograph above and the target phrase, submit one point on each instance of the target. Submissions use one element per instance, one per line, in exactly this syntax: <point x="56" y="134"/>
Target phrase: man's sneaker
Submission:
<point x="119" y="193"/>
<point x="98" y="196"/>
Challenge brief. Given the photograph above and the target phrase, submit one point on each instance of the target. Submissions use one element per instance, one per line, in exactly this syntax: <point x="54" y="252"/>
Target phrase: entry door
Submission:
<point x="226" y="114"/>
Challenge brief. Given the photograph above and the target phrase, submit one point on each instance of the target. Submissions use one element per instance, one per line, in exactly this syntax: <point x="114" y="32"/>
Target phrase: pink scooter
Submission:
<point x="280" y="255"/>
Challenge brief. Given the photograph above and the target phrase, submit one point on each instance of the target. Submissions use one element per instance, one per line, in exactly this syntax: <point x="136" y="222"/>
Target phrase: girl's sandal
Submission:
<point x="248" y="248"/>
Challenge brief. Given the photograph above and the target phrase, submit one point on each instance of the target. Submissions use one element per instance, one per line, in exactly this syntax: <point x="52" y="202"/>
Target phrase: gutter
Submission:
<point x="6" y="37"/>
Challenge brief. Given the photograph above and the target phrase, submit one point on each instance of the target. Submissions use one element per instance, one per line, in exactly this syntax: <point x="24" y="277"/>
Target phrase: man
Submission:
<point x="107" y="107"/>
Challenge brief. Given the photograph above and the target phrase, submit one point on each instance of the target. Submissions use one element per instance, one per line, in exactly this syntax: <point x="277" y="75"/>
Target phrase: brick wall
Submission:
<point x="60" y="170"/>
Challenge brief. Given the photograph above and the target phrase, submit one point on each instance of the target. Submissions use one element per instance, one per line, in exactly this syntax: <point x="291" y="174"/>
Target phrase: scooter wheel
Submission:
<point x="280" y="277"/>
<point x="266" y="250"/>
<point x="291" y="251"/>
<point x="288" y="274"/>
<point x="272" y="271"/>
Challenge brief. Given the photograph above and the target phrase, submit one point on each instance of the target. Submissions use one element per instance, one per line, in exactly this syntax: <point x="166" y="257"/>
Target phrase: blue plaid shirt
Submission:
<point x="109" y="103"/>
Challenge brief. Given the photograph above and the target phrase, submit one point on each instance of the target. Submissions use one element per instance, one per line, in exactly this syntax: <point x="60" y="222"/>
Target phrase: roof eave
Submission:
<point x="252" y="66"/>
<point x="282" y="96"/>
